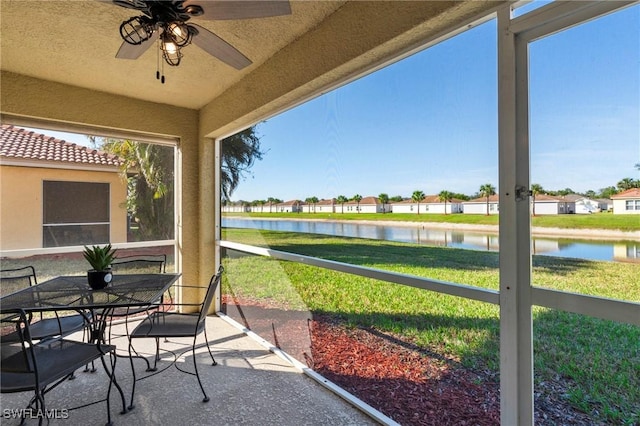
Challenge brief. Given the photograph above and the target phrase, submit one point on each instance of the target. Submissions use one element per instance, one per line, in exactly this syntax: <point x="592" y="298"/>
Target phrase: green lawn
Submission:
<point x="596" y="361"/>
<point x="576" y="221"/>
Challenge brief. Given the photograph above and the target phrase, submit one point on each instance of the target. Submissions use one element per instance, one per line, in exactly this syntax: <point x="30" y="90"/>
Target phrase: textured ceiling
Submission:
<point x="75" y="42"/>
<point x="320" y="45"/>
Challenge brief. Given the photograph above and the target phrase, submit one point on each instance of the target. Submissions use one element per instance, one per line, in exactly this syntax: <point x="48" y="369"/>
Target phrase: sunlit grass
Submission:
<point x="597" y="361"/>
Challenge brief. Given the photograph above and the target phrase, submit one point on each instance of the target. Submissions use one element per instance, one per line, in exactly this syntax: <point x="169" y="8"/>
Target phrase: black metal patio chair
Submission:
<point x="40" y="366"/>
<point x="139" y="264"/>
<point x="15" y="279"/>
<point x="174" y="325"/>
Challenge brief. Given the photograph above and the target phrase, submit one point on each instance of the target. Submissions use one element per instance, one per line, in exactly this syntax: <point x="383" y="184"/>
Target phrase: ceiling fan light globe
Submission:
<point x="180" y="33"/>
<point x="170" y="50"/>
<point x="172" y="59"/>
<point x="136" y="30"/>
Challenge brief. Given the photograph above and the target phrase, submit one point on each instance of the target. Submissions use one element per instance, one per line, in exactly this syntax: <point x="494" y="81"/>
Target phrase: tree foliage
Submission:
<point x="341" y="200"/>
<point x="416" y="197"/>
<point x="445" y="196"/>
<point x="239" y="153"/>
<point x="628" y="183"/>
<point x="357" y="198"/>
<point x="148" y="170"/>
<point x="487" y="190"/>
<point x="384" y="199"/>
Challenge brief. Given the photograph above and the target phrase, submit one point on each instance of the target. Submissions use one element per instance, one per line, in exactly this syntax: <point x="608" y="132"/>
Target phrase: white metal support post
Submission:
<point x="516" y="329"/>
<point x="217" y="210"/>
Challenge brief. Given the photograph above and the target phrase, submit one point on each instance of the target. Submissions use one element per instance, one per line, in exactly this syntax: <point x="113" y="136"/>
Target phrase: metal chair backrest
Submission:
<point x="12" y="280"/>
<point x="16" y="343"/>
<point x="208" y="298"/>
<point x="140" y="264"/>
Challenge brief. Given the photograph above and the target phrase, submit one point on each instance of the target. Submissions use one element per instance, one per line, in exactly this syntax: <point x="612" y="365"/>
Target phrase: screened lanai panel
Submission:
<point x="585" y="146"/>
<point x="416" y="140"/>
<point x="585" y="142"/>
<point x="75" y="213"/>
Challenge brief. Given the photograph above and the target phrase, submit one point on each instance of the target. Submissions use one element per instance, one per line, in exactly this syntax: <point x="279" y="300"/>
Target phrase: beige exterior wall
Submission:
<point x="620" y="207"/>
<point x="21" y="207"/>
<point x="38" y="103"/>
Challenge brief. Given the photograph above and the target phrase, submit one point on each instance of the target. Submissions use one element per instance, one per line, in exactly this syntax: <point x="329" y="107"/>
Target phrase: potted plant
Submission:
<point x="100" y="259"/>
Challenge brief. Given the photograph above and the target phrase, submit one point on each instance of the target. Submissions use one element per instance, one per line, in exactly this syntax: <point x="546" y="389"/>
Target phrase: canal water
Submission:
<point x="624" y="251"/>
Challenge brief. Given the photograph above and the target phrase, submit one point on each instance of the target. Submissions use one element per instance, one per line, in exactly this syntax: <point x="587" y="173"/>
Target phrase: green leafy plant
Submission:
<point x="99" y="258"/>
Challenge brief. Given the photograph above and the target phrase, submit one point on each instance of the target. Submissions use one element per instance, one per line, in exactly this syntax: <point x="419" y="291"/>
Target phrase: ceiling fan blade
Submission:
<point x="241" y="9"/>
<point x="215" y="46"/>
<point x="130" y="4"/>
<point x="133" y="51"/>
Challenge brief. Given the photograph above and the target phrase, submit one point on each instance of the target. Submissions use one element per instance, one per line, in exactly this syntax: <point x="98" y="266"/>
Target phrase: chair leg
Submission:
<point x="157" y="357"/>
<point x="133" y="371"/>
<point x="111" y="378"/>
<point x="195" y="366"/>
<point x="40" y="405"/>
<point x="206" y="339"/>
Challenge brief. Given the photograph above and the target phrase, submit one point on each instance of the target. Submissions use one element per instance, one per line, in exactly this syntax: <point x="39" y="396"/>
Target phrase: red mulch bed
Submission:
<point x="411" y="388"/>
<point x="406" y="383"/>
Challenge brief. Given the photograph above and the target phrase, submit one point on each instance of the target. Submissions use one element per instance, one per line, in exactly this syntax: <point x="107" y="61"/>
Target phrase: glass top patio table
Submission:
<point x="74" y="293"/>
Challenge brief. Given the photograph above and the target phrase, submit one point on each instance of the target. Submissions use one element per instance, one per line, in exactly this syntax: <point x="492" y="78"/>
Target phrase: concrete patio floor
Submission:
<point x="250" y="386"/>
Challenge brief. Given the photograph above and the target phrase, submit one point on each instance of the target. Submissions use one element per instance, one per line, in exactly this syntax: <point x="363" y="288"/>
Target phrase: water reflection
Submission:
<point x="627" y="251"/>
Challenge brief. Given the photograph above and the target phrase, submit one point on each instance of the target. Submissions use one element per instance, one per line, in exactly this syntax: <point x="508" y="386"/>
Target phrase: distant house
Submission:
<point x="579" y="204"/>
<point x="56" y="193"/>
<point x="404" y="206"/>
<point x="236" y="207"/>
<point x="292" y="206"/>
<point x="479" y="205"/>
<point x="604" y="204"/>
<point x="586" y="205"/>
<point x="429" y="204"/>
<point x="326" y="206"/>
<point x="366" y="205"/>
<point x="433" y="204"/>
<point x="549" y="204"/>
<point x="627" y="202"/>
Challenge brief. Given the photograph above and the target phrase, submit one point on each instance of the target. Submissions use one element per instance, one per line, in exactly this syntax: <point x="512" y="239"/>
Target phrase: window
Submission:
<point x="633" y="205"/>
<point x="75" y="213"/>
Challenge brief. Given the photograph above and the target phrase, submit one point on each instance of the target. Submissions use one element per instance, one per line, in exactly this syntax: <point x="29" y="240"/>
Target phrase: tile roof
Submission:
<point x="365" y="200"/>
<point x="17" y="143"/>
<point x="492" y="199"/>
<point x="544" y="197"/>
<point x="629" y="193"/>
<point x="430" y="199"/>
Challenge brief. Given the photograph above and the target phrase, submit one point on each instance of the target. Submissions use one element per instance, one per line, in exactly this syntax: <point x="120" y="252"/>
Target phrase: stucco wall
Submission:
<point x="546" y="208"/>
<point x="21" y="207"/>
<point x="620" y="207"/>
<point x="38" y="103"/>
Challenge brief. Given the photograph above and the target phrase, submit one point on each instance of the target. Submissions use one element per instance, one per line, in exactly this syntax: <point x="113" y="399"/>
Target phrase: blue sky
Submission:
<point x="429" y="122"/>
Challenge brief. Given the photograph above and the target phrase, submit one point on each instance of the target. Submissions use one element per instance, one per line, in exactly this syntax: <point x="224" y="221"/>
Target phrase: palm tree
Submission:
<point x="416" y="197"/>
<point x="357" y="198"/>
<point x="312" y="200"/>
<point x="239" y="153"/>
<point x="536" y="189"/>
<point x="608" y="192"/>
<point x="150" y="189"/>
<point x="341" y="200"/>
<point x="270" y="201"/>
<point x="487" y="190"/>
<point x="445" y="196"/>
<point x="627" y="183"/>
<point x="384" y="199"/>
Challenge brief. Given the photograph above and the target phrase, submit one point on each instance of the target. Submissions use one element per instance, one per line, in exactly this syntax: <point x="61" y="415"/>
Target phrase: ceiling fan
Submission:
<point x="167" y="22"/>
